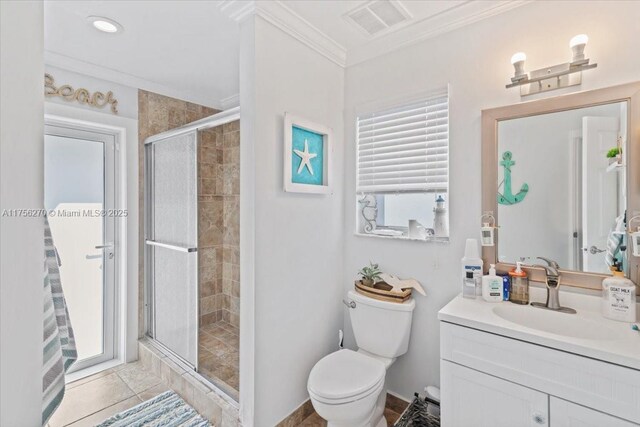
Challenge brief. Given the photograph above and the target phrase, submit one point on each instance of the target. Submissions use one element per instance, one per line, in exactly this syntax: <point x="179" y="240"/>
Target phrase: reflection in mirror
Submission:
<point x="562" y="188"/>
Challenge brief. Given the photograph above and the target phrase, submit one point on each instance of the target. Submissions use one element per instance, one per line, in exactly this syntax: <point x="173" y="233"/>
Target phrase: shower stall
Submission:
<point x="191" y="251"/>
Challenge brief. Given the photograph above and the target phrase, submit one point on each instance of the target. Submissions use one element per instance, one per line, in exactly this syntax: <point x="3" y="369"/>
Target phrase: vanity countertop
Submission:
<point x="586" y="333"/>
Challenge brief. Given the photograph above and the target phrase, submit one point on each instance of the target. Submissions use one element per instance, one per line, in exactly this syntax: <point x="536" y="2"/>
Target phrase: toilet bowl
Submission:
<point x="346" y="389"/>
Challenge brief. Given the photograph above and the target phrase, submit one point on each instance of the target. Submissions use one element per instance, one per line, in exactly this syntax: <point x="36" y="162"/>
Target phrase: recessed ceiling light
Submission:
<point x="105" y="25"/>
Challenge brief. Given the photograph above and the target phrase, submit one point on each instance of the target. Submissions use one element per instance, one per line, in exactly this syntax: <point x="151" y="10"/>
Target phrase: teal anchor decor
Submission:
<point x="508" y="198"/>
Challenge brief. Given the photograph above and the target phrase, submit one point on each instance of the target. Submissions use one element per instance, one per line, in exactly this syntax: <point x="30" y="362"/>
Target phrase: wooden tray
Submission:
<point x="381" y="291"/>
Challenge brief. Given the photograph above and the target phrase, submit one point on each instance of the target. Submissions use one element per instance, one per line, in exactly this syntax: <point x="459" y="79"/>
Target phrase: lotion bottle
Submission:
<point x="492" y="286"/>
<point x="619" y="297"/>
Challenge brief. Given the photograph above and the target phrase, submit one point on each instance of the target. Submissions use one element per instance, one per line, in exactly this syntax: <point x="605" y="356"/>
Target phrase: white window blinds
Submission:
<point x="405" y="149"/>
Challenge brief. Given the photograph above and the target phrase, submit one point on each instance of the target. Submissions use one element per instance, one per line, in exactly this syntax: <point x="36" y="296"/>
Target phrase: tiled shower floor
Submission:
<point x="219" y="356"/>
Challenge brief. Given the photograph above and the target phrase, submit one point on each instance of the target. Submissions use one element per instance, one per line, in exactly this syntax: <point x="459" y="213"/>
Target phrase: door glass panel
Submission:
<point x="174" y="190"/>
<point x="176" y="301"/>
<point x="74" y="188"/>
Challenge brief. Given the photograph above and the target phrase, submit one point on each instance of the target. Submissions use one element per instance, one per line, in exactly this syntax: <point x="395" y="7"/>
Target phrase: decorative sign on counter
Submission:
<point x="81" y="95"/>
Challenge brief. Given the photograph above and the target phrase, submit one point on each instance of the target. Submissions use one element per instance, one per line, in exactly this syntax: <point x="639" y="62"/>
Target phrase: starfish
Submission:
<point x="305" y="158"/>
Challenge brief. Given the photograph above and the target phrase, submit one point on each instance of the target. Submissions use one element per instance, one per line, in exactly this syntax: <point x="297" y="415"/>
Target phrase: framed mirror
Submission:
<point x="562" y="178"/>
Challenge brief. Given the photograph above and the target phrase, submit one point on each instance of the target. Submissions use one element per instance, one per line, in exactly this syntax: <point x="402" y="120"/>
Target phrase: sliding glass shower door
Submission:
<point x="171" y="259"/>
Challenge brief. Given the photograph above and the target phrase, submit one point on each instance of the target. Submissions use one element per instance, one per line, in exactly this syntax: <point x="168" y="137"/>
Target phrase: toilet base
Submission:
<point x="376" y="419"/>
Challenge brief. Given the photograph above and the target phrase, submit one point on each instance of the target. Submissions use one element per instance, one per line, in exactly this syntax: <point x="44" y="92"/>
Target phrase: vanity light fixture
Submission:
<point x="105" y="25"/>
<point x="554" y="77"/>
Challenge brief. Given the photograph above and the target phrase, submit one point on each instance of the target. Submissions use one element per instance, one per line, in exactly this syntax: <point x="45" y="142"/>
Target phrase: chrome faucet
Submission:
<point x="552" y="273"/>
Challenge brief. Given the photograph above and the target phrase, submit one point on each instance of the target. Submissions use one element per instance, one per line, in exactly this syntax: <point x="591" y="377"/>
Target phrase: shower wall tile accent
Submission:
<point x="158" y="113"/>
<point x="219" y="213"/>
<point x="210" y="225"/>
<point x="231" y="222"/>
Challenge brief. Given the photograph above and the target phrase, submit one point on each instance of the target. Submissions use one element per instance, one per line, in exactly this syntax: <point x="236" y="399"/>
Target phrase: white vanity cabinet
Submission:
<point x="492" y="380"/>
<point x="571" y="415"/>
<point x="480" y="400"/>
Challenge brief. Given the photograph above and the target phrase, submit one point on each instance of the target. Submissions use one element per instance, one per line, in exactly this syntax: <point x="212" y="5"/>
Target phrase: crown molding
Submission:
<point x="449" y="20"/>
<point x="99" y="72"/>
<point x="237" y="10"/>
<point x="230" y="102"/>
<point x="281" y="16"/>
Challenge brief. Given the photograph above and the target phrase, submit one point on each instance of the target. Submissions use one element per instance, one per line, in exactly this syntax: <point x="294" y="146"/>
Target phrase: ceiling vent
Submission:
<point x="378" y="16"/>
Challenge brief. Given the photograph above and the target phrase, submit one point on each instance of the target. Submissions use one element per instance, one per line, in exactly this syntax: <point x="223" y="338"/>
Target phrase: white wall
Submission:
<point x="21" y="187"/>
<point x="475" y="60"/>
<point x="298" y="237"/>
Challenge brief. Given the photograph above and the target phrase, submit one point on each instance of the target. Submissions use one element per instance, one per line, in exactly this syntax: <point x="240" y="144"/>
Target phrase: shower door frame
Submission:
<point x="213" y="121"/>
<point x="149" y="241"/>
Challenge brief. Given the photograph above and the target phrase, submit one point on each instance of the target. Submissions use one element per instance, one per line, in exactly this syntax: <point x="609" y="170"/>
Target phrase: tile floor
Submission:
<point x="219" y="355"/>
<point x="93" y="399"/>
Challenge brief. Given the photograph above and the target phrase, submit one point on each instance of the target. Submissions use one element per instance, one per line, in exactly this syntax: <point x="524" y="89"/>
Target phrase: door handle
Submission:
<point x="107" y="246"/>
<point x="594" y="250"/>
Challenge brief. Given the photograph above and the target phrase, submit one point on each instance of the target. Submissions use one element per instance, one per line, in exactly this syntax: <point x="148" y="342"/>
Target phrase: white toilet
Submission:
<point x="347" y="388"/>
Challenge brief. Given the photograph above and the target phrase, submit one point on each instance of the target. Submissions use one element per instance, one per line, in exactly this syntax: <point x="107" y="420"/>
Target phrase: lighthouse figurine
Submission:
<point x="440" y="219"/>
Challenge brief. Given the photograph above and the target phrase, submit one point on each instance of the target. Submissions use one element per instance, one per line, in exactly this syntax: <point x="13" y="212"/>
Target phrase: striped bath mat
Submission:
<point x="164" y="410"/>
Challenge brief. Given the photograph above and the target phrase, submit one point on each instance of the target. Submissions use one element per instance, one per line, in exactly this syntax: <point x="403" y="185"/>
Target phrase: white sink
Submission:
<point x="568" y="325"/>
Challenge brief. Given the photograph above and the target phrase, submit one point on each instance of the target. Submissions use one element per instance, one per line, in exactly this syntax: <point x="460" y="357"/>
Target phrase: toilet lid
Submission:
<point x="345" y="374"/>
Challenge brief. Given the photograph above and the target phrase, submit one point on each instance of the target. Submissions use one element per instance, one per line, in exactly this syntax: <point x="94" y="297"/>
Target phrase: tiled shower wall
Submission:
<point x="231" y="241"/>
<point x="219" y="215"/>
<point x="157" y="113"/>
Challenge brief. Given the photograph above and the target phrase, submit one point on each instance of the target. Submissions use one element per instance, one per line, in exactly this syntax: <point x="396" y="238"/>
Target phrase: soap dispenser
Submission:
<point x="492" y="286"/>
<point x="519" y="293"/>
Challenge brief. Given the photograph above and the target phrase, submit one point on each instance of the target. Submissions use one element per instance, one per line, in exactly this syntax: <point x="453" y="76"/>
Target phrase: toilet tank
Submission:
<point x="381" y="328"/>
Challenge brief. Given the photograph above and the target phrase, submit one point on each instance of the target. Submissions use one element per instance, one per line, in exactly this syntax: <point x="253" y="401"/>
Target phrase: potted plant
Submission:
<point x="370" y="274"/>
<point x="614" y="155"/>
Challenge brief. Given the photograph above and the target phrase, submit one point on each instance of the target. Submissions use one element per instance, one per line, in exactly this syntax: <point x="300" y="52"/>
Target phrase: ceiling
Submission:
<point x="190" y="49"/>
<point x="427" y="18"/>
<point x="184" y="47"/>
<point x="329" y="17"/>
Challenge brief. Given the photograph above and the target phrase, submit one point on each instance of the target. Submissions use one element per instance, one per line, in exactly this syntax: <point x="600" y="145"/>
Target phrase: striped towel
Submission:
<point x="59" y="346"/>
<point x="615" y="240"/>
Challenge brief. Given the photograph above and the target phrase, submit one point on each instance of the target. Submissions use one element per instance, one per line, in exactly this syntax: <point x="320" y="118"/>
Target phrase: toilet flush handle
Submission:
<point x="350" y="304"/>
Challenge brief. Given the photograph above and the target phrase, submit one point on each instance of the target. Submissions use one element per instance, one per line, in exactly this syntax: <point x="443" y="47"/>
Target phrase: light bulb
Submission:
<point x="518" y="65"/>
<point x="577" y="45"/>
<point x="578" y="40"/>
<point x="520" y="56"/>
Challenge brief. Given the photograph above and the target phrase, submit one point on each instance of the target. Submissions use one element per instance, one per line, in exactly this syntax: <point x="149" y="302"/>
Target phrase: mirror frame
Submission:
<point x="630" y="93"/>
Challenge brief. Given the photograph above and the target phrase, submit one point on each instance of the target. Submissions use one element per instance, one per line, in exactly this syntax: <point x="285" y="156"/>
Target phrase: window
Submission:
<point x="403" y="170"/>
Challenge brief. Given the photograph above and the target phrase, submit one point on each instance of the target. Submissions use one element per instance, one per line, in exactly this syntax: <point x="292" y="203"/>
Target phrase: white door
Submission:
<point x="79" y="172"/>
<point x="567" y="414"/>
<point x="599" y="190"/>
<point x="473" y="399"/>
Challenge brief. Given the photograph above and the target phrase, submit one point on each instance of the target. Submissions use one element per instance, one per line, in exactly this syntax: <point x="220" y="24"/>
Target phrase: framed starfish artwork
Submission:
<point x="307" y="156"/>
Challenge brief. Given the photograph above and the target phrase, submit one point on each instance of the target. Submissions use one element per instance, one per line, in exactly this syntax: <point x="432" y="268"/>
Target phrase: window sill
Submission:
<point x="412" y="239"/>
